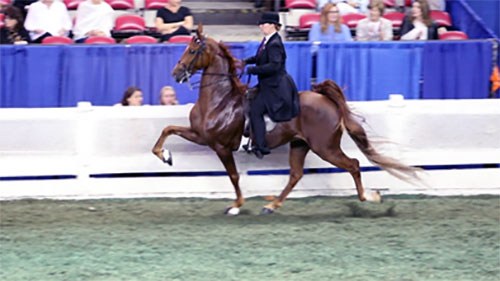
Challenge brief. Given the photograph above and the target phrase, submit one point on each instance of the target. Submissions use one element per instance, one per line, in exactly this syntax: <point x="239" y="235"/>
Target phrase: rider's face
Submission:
<point x="267" y="28"/>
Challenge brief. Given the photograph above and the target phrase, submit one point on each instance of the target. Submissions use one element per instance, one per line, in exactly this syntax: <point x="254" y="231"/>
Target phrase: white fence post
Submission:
<point x="83" y="138"/>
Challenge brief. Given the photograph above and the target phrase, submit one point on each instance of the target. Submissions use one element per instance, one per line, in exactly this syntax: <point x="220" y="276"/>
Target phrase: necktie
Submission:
<point x="261" y="46"/>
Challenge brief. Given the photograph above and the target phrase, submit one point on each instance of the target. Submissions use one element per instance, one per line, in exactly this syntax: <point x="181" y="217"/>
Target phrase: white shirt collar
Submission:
<point x="269" y="37"/>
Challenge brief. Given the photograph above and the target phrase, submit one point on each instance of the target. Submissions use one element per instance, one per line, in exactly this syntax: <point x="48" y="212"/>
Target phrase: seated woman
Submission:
<point x="418" y="25"/>
<point x="132" y="97"/>
<point x="330" y="27"/>
<point x="173" y="20"/>
<point x="375" y="27"/>
<point x="93" y="18"/>
<point x="167" y="96"/>
<point x="13" y="32"/>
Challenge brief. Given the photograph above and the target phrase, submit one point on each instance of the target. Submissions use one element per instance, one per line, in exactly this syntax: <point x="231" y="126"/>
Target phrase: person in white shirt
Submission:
<point x="93" y="18"/>
<point x="47" y="18"/>
<point x="375" y="27"/>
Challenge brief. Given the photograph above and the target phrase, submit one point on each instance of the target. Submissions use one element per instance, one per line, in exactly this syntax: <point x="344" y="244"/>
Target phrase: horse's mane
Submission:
<point x="237" y="85"/>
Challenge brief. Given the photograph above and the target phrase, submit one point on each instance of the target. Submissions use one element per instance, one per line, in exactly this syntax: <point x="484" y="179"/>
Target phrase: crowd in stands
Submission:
<point x="29" y="21"/>
<point x="93" y="22"/>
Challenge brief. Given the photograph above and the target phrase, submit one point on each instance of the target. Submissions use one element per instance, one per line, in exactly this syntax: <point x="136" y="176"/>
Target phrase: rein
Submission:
<point x="189" y="70"/>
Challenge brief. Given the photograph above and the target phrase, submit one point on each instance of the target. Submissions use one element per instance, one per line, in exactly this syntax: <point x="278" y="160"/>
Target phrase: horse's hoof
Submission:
<point x="169" y="160"/>
<point x="232" y="211"/>
<point x="266" y="211"/>
<point x="373" y="196"/>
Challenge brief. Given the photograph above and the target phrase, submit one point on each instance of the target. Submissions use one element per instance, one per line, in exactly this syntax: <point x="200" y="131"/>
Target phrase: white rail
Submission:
<point x="87" y="141"/>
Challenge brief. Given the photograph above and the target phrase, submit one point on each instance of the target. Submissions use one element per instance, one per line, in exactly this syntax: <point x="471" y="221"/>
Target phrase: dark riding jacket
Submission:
<point x="276" y="87"/>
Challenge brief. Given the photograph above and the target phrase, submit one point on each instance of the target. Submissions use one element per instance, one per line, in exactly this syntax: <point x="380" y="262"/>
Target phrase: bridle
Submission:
<point x="188" y="70"/>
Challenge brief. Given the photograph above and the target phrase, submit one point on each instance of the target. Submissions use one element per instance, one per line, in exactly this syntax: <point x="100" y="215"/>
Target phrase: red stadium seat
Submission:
<point x="155" y="4"/>
<point x="130" y="22"/>
<point x="1" y="20"/>
<point x="72" y="4"/>
<point x="121" y="4"/>
<point x="141" y="39"/>
<point x="351" y="20"/>
<point x="180" y="39"/>
<point x="307" y="20"/>
<point x="300" y="4"/>
<point x="441" y="18"/>
<point x="396" y="18"/>
<point x="408" y="3"/>
<point x="5" y="2"/>
<point x="453" y="35"/>
<point x="57" y="40"/>
<point x="100" y="40"/>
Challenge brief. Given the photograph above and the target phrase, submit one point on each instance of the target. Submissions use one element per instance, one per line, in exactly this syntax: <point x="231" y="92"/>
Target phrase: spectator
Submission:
<point x="167" y="96"/>
<point x="132" y="97"/>
<point x="173" y="20"/>
<point x="13" y="32"/>
<point x="346" y="7"/>
<point x="375" y="27"/>
<point x="418" y="25"/>
<point x="93" y="18"/>
<point x="47" y="18"/>
<point x="330" y="27"/>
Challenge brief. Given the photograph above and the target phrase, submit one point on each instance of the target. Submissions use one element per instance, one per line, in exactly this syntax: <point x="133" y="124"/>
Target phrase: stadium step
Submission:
<point x="224" y="12"/>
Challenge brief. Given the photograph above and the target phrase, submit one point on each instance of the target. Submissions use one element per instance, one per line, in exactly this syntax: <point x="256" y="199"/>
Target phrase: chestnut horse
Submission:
<point x="217" y="120"/>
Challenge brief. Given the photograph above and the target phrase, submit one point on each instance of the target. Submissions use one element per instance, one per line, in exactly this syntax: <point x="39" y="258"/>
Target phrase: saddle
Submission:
<point x="250" y="94"/>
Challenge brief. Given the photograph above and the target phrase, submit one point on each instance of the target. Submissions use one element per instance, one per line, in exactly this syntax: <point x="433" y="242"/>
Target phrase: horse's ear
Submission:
<point x="199" y="31"/>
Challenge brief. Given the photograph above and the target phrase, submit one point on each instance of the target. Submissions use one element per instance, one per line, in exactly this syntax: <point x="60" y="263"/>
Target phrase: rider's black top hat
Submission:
<point x="270" y="17"/>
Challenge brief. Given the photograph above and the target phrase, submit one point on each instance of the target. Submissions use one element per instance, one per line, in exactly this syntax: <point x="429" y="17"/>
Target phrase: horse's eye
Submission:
<point x="191" y="51"/>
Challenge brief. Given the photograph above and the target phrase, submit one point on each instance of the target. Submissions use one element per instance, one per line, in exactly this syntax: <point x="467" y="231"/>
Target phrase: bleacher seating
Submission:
<point x="1" y="20"/>
<point x="100" y="40"/>
<point x="307" y="20"/>
<point x="396" y="18"/>
<point x="5" y="2"/>
<point x="180" y="39"/>
<point x="300" y="4"/>
<point x="121" y="4"/>
<point x="441" y="18"/>
<point x="72" y="4"/>
<point x="141" y="39"/>
<point x="453" y="35"/>
<point x="128" y="25"/>
<point x="129" y="22"/>
<point x="57" y="40"/>
<point x="155" y="4"/>
<point x="351" y="20"/>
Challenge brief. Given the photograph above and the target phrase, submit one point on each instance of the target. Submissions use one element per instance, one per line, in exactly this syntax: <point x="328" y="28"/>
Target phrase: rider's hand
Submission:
<point x="251" y="70"/>
<point x="239" y="64"/>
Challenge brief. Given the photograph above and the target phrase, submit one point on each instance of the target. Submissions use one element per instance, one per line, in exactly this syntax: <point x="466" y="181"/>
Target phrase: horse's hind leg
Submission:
<point x="184" y="132"/>
<point x="298" y="152"/>
<point x="226" y="156"/>
<point x="337" y="157"/>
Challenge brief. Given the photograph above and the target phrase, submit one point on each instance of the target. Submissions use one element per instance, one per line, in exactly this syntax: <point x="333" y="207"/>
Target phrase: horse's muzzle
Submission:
<point x="180" y="74"/>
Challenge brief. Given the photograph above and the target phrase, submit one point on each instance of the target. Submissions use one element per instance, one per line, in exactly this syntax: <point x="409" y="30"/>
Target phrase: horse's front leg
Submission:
<point x="184" y="132"/>
<point x="226" y="156"/>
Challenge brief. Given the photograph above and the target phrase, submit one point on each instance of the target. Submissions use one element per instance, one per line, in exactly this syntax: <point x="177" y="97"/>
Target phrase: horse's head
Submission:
<point x="194" y="58"/>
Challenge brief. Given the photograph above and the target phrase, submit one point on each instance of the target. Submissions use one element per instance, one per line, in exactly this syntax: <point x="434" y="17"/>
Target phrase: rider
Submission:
<point x="277" y="95"/>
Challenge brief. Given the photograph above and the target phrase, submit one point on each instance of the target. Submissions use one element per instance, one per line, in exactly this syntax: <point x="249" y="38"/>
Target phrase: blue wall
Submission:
<point x="55" y="76"/>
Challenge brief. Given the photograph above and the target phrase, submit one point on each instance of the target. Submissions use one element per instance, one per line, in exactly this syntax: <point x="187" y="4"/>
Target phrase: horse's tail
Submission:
<point x="331" y="90"/>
